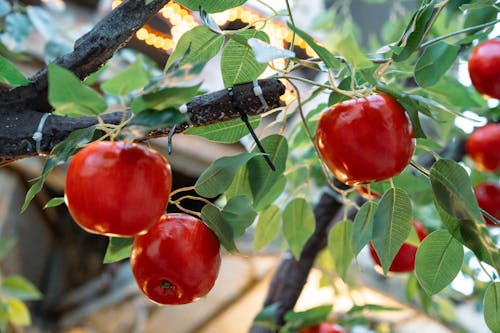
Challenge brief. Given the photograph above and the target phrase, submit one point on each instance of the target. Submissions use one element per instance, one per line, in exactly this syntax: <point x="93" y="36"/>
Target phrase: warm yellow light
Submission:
<point x="142" y="34"/>
<point x="168" y="44"/>
<point x="115" y="4"/>
<point x="158" y="42"/>
<point x="150" y="40"/>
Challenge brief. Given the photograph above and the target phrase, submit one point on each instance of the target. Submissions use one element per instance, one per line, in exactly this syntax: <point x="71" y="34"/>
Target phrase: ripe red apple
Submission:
<point x="117" y="188"/>
<point x="404" y="261"/>
<point x="484" y="68"/>
<point x="365" y="139"/>
<point x="488" y="198"/>
<point x="483" y="147"/>
<point x="177" y="261"/>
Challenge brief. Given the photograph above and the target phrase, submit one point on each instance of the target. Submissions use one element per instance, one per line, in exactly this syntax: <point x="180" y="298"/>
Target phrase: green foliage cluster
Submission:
<point x="418" y="67"/>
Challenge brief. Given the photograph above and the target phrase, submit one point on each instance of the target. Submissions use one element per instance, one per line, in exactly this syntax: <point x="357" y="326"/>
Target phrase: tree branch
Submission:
<point x="291" y="275"/>
<point x="90" y="52"/>
<point x="17" y="128"/>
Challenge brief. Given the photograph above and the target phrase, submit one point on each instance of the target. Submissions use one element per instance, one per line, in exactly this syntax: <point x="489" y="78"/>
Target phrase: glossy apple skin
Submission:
<point x="324" y="328"/>
<point x="404" y="261"/>
<point x="483" y="147"/>
<point x="366" y="139"/>
<point x="177" y="261"/>
<point x="488" y="198"/>
<point x="117" y="188"/>
<point x="484" y="68"/>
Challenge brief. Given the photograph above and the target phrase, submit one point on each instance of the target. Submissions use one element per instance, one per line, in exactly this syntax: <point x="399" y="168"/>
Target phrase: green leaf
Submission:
<point x="477" y="4"/>
<point x="339" y="245"/>
<point x="60" y="154"/>
<point x="392" y="224"/>
<point x="438" y="261"/>
<point x="239" y="213"/>
<point x="492" y="306"/>
<point x="298" y="224"/>
<point x="363" y="226"/>
<point x="70" y="97"/>
<point x="308" y="318"/>
<point x="456" y="204"/>
<point x="325" y="55"/>
<point x="272" y="194"/>
<point x="211" y="6"/>
<point x="17" y="27"/>
<point x="119" y="248"/>
<point x="213" y="218"/>
<point x="54" y="202"/>
<point x="10" y="74"/>
<point x="452" y="92"/>
<point x="350" y="50"/>
<point x="240" y="184"/>
<point x="261" y="176"/>
<point x="159" y="119"/>
<point x="479" y="16"/>
<point x="238" y="61"/>
<point x="267" y="227"/>
<point x="5" y="7"/>
<point x="199" y="44"/>
<point x="434" y="63"/>
<point x="266" y="317"/>
<point x="371" y="307"/>
<point x="336" y="97"/>
<point x="229" y="131"/>
<point x="18" y="312"/>
<point x="219" y="176"/>
<point x="5" y="246"/>
<point x="171" y="97"/>
<point x="415" y="32"/>
<point x="42" y="21"/>
<point x="132" y="78"/>
<point x="18" y="287"/>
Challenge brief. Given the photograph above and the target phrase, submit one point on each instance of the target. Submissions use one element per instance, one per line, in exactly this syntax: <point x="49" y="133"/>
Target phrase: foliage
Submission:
<point x="415" y="60"/>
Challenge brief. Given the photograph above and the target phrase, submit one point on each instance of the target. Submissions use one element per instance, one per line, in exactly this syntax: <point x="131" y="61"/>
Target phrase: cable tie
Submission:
<point x="38" y="135"/>
<point x="257" y="90"/>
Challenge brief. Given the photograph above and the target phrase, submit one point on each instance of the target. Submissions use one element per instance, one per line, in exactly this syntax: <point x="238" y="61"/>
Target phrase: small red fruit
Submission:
<point x="177" y="261"/>
<point x="324" y="328"/>
<point x="488" y="198"/>
<point x="404" y="261"/>
<point x="117" y="188"/>
<point x="484" y="69"/>
<point x="483" y="147"/>
<point x="366" y="139"/>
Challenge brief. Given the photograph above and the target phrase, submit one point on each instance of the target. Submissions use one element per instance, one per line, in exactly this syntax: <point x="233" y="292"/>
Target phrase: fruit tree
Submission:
<point x="357" y="141"/>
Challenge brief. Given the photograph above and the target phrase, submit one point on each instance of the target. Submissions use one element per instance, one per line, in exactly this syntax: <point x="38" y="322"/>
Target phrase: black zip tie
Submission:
<point x="169" y="139"/>
<point x="244" y="118"/>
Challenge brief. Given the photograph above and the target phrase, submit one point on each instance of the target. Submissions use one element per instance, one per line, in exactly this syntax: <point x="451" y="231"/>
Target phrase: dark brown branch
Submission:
<point x="17" y="128"/>
<point x="90" y="52"/>
<point x="291" y="275"/>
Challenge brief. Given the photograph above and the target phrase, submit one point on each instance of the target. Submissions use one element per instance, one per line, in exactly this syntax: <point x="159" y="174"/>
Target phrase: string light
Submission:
<point x="181" y="21"/>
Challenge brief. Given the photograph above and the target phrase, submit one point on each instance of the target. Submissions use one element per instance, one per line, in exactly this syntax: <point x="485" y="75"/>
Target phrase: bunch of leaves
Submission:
<point x="15" y="290"/>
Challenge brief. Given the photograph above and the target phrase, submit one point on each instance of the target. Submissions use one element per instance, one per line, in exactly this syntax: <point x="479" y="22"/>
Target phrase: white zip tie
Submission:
<point x="38" y="135"/>
<point x="183" y="108"/>
<point x="257" y="90"/>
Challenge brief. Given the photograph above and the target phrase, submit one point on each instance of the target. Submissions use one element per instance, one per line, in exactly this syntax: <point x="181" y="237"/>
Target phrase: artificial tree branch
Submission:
<point x="17" y="128"/>
<point x="291" y="275"/>
<point x="90" y="52"/>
